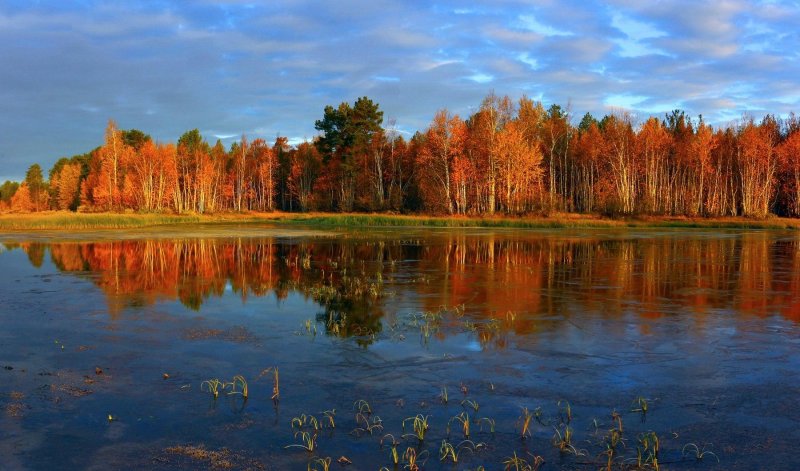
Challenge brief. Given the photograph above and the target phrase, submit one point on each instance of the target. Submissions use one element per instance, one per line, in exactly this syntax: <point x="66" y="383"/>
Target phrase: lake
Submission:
<point x="638" y="349"/>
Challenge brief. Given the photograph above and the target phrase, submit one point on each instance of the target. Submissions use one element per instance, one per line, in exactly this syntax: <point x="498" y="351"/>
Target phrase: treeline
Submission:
<point x="508" y="157"/>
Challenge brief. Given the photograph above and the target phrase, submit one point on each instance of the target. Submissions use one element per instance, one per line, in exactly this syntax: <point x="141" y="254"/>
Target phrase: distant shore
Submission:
<point x="62" y="220"/>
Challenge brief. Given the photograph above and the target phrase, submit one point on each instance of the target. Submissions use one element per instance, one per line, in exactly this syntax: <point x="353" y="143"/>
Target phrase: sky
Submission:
<point x="269" y="68"/>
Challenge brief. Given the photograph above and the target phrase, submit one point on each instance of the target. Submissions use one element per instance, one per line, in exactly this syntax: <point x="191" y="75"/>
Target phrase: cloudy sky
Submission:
<point x="268" y="68"/>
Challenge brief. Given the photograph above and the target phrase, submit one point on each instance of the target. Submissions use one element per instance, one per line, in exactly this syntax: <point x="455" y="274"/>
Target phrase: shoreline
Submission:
<point x="61" y="220"/>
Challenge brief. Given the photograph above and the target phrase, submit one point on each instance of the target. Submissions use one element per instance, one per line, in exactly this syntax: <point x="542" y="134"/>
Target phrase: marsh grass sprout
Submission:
<point x="489" y="421"/>
<point x="241" y="382"/>
<point x="463" y="419"/>
<point x="362" y="407"/>
<point x="524" y="422"/>
<point x="412" y="459"/>
<point x="698" y="452"/>
<point x="325" y="464"/>
<point x="419" y="425"/>
<point x="308" y="441"/>
<point x="516" y="463"/>
<point x="370" y="425"/>
<point x="565" y="412"/>
<point x="470" y="403"/>
<point x="212" y="386"/>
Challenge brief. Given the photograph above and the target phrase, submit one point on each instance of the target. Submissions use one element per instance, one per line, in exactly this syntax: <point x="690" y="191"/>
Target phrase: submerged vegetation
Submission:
<point x="608" y="452"/>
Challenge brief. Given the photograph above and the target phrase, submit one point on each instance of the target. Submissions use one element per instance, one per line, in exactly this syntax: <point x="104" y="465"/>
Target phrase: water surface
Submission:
<point x="702" y="325"/>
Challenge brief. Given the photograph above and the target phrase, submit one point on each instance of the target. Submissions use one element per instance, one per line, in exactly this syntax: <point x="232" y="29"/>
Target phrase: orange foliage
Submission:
<point x="21" y="201"/>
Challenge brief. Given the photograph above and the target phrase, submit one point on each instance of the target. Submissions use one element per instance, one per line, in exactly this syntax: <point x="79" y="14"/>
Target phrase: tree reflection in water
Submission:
<point x="505" y="282"/>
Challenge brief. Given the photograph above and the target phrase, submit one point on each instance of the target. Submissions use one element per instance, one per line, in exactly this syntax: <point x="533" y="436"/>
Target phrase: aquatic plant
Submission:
<point x="517" y="463"/>
<point x="311" y="328"/>
<point x="699" y="453"/>
<point x="330" y="415"/>
<point x="443" y="395"/>
<point x="617" y="417"/>
<point x="487" y="420"/>
<point x="448" y="451"/>
<point x="565" y="411"/>
<point x="470" y="403"/>
<point x="524" y="422"/>
<point x="463" y="419"/>
<point x="393" y="444"/>
<point x="276" y="390"/>
<point x="362" y="407"/>
<point x="419" y="425"/>
<point x="304" y="422"/>
<point x="562" y="439"/>
<point x="325" y="463"/>
<point x="639" y="405"/>
<point x="238" y="379"/>
<point x="212" y="386"/>
<point x="612" y="442"/>
<point x="411" y="459"/>
<point x="308" y="441"/>
<point x="375" y="424"/>
<point x="647" y="450"/>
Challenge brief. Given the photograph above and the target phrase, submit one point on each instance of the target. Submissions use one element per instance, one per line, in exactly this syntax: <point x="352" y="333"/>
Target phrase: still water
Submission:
<point x="615" y="338"/>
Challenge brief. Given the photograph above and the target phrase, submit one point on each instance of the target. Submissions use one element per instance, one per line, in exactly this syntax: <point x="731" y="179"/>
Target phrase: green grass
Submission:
<point x="60" y="220"/>
<point x="63" y="220"/>
<point x="381" y="220"/>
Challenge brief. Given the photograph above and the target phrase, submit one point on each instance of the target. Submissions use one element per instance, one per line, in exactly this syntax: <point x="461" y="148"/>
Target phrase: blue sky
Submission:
<point x="268" y="68"/>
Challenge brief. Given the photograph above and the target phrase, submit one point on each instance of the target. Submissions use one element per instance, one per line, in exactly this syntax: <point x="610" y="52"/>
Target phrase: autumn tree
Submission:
<point x="555" y="137"/>
<point x="653" y="147"/>
<point x="21" y="202"/>
<point x="756" y="164"/>
<point x="618" y="153"/>
<point x="306" y="165"/>
<point x="519" y="168"/>
<point x="493" y="115"/>
<point x="588" y="150"/>
<point x="789" y="155"/>
<point x="444" y="141"/>
<point x="67" y="182"/>
<point x="112" y="155"/>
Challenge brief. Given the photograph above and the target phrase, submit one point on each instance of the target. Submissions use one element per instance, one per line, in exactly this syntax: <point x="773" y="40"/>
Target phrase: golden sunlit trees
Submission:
<point x="444" y="141"/>
<point x="789" y="154"/>
<point x="265" y="169"/>
<point x="107" y="194"/>
<point x="703" y="145"/>
<point x="588" y="150"/>
<point x="68" y="186"/>
<point x="756" y="166"/>
<point x="21" y="201"/>
<point x="493" y="115"/>
<point x="514" y="158"/>
<point x="619" y="155"/>
<point x="555" y="137"/>
<point x="653" y="145"/>
<point x="519" y="168"/>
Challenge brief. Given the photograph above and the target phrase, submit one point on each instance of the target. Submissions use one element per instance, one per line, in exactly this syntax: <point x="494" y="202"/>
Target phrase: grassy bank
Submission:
<point x="79" y="221"/>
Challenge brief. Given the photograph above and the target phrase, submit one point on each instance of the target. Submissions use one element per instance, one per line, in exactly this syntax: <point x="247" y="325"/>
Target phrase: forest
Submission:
<point x="509" y="158"/>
